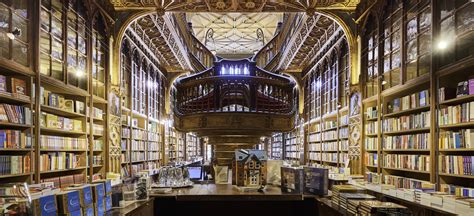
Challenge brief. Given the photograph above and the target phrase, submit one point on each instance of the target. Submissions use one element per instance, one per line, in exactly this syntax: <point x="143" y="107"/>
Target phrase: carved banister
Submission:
<point x="235" y="86"/>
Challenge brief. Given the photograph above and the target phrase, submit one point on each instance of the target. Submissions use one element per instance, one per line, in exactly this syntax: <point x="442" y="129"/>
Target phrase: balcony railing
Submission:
<point x="228" y="87"/>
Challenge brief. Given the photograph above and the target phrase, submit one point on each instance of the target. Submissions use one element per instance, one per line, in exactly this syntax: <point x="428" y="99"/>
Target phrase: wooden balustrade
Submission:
<point x="258" y="92"/>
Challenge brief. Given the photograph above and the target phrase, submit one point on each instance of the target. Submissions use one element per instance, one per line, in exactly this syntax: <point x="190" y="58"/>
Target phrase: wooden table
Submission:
<point x="226" y="200"/>
<point x="225" y="192"/>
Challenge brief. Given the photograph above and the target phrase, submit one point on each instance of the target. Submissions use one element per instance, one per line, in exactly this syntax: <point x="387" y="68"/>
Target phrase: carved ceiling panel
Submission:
<point x="234" y="33"/>
<point x="153" y="31"/>
<point x="312" y="37"/>
<point x="234" y="5"/>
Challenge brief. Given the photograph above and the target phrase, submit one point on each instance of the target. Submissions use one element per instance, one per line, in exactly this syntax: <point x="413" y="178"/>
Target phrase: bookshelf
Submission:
<point x="293" y="143"/>
<point x="192" y="146"/>
<point x="416" y="97"/>
<point x="327" y="108"/>
<point x="16" y="129"/>
<point x="277" y="146"/>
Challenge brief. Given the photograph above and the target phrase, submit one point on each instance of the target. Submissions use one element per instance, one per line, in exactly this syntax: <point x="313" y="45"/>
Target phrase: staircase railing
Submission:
<point x="218" y="90"/>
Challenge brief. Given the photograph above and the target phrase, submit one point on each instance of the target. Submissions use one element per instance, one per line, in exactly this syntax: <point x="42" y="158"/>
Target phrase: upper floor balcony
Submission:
<point x="235" y="90"/>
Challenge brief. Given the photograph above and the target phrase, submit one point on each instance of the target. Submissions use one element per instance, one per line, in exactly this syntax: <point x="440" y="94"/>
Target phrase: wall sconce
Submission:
<point x="15" y="33"/>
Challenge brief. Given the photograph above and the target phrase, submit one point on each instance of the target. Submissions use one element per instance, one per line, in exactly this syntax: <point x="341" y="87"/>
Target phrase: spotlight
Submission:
<point x="15" y="33"/>
<point x="80" y="73"/>
<point x="442" y="44"/>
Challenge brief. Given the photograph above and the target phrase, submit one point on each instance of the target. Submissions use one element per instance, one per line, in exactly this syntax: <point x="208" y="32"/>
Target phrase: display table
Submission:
<point x="226" y="200"/>
<point x="225" y="192"/>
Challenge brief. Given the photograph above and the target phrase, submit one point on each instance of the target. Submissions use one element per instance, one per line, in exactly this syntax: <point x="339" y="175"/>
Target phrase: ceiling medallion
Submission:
<point x="250" y="5"/>
<point x="220" y="5"/>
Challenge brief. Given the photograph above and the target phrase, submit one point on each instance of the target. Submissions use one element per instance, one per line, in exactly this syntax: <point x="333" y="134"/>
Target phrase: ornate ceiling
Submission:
<point x="155" y="37"/>
<point x="234" y="33"/>
<point x="314" y="35"/>
<point x="234" y="5"/>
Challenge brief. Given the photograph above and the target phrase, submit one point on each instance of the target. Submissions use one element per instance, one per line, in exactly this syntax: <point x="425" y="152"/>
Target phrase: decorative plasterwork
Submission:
<point x="312" y="37"/>
<point x="153" y="31"/>
<point x="235" y="5"/>
<point x="234" y="33"/>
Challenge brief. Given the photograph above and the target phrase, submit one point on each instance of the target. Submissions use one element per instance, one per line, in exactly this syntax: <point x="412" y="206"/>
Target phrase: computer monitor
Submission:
<point x="195" y="172"/>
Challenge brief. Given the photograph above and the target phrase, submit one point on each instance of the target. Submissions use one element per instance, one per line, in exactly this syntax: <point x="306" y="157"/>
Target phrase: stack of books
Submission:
<point x="456" y="139"/>
<point x="338" y="189"/>
<point x="345" y="197"/>
<point x="381" y="208"/>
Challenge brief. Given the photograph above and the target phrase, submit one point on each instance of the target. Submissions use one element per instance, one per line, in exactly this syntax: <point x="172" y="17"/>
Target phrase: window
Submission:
<point x="370" y="55"/>
<point x="76" y="44"/>
<point x="456" y="39"/>
<point x="344" y="74"/>
<point x="391" y="38"/>
<point x="418" y="39"/>
<point x="99" y="56"/>
<point x="51" y="39"/>
<point x="14" y="17"/>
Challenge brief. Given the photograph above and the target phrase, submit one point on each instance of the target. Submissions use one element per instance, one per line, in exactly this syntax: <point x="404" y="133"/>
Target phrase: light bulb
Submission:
<point x="442" y="44"/>
<point x="79" y="73"/>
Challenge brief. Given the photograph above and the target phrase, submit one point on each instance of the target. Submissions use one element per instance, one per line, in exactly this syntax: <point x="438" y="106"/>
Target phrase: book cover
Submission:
<point x="80" y="107"/>
<point x="18" y="86"/>
<point x="77" y="125"/>
<point x="316" y="180"/>
<point x="98" y="192"/>
<point x="51" y="121"/>
<point x="68" y="105"/>
<point x="53" y="100"/>
<point x="45" y="206"/>
<point x="3" y="84"/>
<point x="68" y="201"/>
<point x="462" y="89"/>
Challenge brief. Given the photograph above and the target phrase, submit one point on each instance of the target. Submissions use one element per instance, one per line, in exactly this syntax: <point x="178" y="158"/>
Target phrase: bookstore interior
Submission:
<point x="229" y="107"/>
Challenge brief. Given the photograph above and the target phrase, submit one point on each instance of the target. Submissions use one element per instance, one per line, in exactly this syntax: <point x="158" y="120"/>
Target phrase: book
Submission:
<point x="68" y="105"/>
<point x="462" y="89"/>
<point x="53" y="100"/>
<point x="471" y="86"/>
<point x="18" y="86"/>
<point x="3" y="84"/>
<point x="80" y="107"/>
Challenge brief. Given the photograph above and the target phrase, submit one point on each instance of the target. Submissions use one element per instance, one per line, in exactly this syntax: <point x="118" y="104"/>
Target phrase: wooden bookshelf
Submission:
<point x="327" y="108"/>
<point x="421" y="66"/>
<point x="277" y="146"/>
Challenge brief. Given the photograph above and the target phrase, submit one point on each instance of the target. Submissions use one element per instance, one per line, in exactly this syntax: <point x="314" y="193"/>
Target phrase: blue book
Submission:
<point x="457" y="140"/>
<point x="108" y="202"/>
<point x="98" y="192"/>
<point x="89" y="211"/>
<point x="2" y="139"/>
<point x="45" y="206"/>
<point x="68" y="201"/>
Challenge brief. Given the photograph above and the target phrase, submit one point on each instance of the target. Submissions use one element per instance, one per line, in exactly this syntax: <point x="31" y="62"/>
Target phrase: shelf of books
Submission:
<point x="277" y="146"/>
<point x="371" y="147"/>
<point x="293" y="143"/>
<point x="175" y="144"/>
<point x="142" y="131"/>
<point x="192" y="146"/>
<point x="326" y="109"/>
<point x="16" y="129"/>
<point x="456" y="130"/>
<point x="64" y="145"/>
